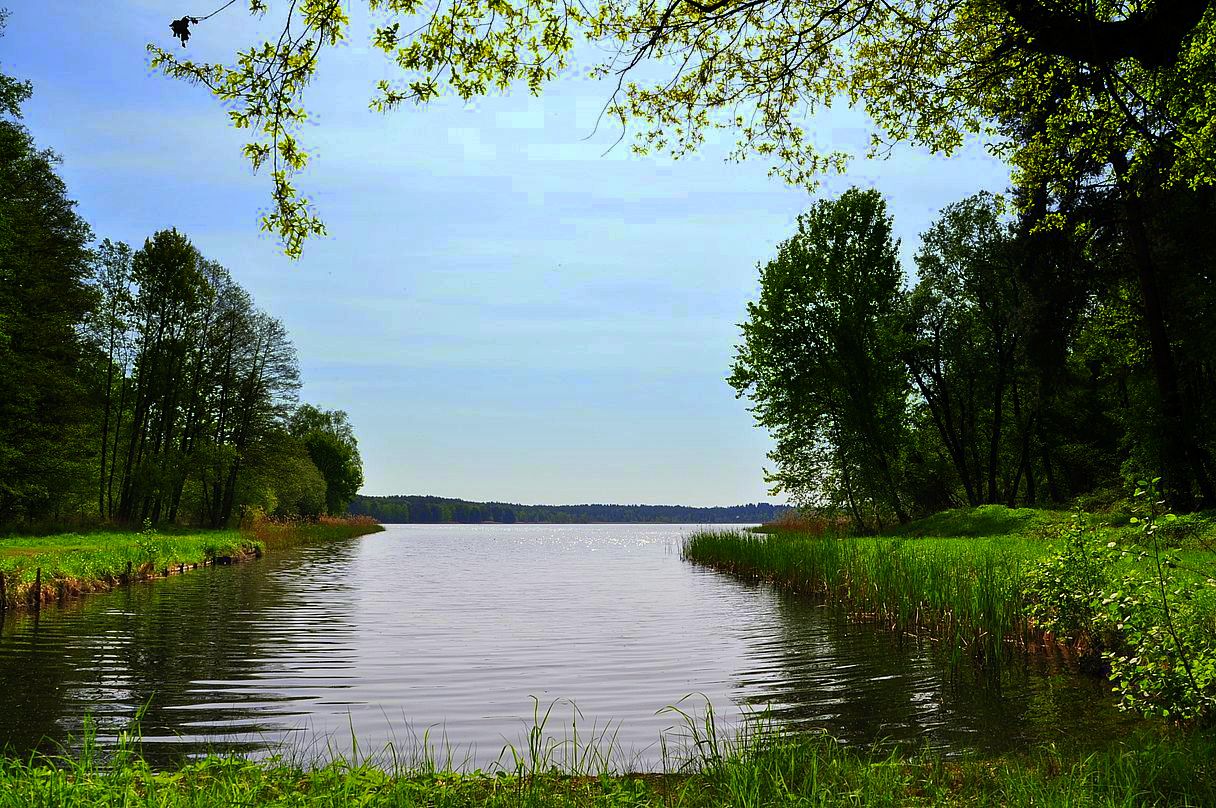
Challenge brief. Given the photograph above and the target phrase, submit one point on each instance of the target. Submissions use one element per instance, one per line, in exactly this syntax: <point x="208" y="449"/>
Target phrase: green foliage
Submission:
<point x="330" y="441"/>
<point x="1150" y="610"/>
<point x="282" y="479"/>
<point x="966" y="356"/>
<point x="820" y="358"/>
<point x="1165" y="612"/>
<point x="1054" y="88"/>
<point x="139" y="384"/>
<point x="1064" y="590"/>
<point x="44" y="299"/>
<point x="197" y="383"/>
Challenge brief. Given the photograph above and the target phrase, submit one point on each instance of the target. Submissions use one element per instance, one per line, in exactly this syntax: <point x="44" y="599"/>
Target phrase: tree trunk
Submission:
<point x="1184" y="459"/>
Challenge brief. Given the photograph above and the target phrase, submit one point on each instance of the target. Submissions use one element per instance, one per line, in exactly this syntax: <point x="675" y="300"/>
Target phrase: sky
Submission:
<point x="507" y="308"/>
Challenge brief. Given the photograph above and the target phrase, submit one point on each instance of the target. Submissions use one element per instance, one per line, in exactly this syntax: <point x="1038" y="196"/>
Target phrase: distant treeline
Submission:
<point x="434" y="510"/>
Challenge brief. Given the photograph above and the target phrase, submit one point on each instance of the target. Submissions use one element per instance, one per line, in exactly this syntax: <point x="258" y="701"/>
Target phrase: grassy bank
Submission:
<point x="55" y="567"/>
<point x="776" y="769"/>
<point x="957" y="576"/>
<point x="966" y="593"/>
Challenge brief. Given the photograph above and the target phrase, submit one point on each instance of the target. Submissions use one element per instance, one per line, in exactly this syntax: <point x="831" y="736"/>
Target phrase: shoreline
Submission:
<point x="66" y="566"/>
<point x="762" y="768"/>
<point x="965" y="580"/>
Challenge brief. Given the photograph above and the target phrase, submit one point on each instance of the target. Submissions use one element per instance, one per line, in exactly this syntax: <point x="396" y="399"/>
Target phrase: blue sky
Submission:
<point x="505" y="312"/>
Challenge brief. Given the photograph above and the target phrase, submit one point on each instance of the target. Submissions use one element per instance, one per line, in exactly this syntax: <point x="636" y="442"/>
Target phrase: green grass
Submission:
<point x="964" y="593"/>
<point x="957" y="576"/>
<point x="77" y="563"/>
<point x="985" y="520"/>
<point x="759" y="768"/>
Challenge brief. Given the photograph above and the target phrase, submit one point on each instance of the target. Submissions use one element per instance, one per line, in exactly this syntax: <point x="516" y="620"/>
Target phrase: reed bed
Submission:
<point x="965" y="593"/>
<point x="283" y="533"/>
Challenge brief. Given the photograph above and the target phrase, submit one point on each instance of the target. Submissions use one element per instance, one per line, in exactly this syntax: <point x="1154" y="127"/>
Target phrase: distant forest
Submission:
<point x="434" y="510"/>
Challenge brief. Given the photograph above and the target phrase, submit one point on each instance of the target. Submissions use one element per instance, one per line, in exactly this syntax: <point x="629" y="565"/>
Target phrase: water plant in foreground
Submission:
<point x="761" y="765"/>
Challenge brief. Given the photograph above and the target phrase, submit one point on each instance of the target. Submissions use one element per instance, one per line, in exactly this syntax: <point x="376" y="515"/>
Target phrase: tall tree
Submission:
<point x="172" y="292"/>
<point x="967" y="313"/>
<point x="821" y="356"/>
<point x="44" y="299"/>
<point x="110" y="332"/>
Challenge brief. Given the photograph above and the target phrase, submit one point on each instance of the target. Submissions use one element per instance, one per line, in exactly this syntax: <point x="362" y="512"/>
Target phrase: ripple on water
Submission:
<point x="450" y="632"/>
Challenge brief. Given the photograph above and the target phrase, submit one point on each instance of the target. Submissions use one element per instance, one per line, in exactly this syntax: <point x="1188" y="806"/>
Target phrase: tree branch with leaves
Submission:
<point x="930" y="73"/>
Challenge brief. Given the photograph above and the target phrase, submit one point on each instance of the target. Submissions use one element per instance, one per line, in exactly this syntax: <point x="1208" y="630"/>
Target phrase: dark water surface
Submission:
<point x="449" y="631"/>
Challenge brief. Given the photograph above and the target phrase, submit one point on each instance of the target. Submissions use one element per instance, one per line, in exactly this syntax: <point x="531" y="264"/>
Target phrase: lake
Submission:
<point x="455" y="633"/>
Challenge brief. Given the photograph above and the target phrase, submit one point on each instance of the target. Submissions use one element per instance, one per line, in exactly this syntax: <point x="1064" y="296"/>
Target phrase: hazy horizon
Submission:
<point x="769" y="500"/>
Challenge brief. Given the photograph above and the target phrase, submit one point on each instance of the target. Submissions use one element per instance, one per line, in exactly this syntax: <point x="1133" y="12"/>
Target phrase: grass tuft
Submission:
<point x="761" y="766"/>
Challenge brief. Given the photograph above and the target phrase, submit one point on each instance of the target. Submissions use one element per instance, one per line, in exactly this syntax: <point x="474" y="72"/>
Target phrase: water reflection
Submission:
<point x="864" y="685"/>
<point x="189" y="651"/>
<point x="452" y="631"/>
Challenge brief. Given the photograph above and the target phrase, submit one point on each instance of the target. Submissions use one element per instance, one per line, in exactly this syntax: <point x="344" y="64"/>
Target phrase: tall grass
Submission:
<point x="964" y="593"/>
<point x="761" y="766"/>
<point x="281" y="533"/>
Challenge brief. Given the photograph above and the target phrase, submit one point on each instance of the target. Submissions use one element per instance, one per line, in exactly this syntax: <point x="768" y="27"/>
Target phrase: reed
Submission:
<point x="965" y="593"/>
<point x="274" y="533"/>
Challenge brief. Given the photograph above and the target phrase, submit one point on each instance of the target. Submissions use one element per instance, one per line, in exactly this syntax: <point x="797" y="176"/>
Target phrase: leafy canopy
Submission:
<point x="1054" y="87"/>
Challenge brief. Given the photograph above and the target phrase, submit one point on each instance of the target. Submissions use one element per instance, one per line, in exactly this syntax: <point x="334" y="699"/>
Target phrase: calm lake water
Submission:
<point x="450" y="632"/>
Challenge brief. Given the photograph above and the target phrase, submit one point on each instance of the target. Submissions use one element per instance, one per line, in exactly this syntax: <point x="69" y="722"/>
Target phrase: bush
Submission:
<point x="1064" y="591"/>
<point x="1165" y="612"/>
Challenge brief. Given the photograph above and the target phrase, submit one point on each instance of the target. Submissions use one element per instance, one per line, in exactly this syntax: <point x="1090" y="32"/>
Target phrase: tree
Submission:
<point x="1132" y="77"/>
<point x="110" y="332"/>
<point x="195" y="381"/>
<point x="821" y="357"/>
<point x="168" y="316"/>
<point x="45" y="265"/>
<point x="281" y="478"/>
<point x="330" y="441"/>
<point x="967" y="356"/>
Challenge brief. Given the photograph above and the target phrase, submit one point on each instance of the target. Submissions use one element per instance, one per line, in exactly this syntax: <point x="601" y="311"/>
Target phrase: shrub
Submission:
<point x="1064" y="591"/>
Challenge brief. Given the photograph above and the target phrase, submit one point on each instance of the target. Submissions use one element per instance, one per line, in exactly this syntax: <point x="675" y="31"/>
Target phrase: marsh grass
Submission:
<point x="272" y="533"/>
<point x="72" y="564"/>
<point x="959" y="576"/>
<point x="964" y="593"/>
<point x="760" y="765"/>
